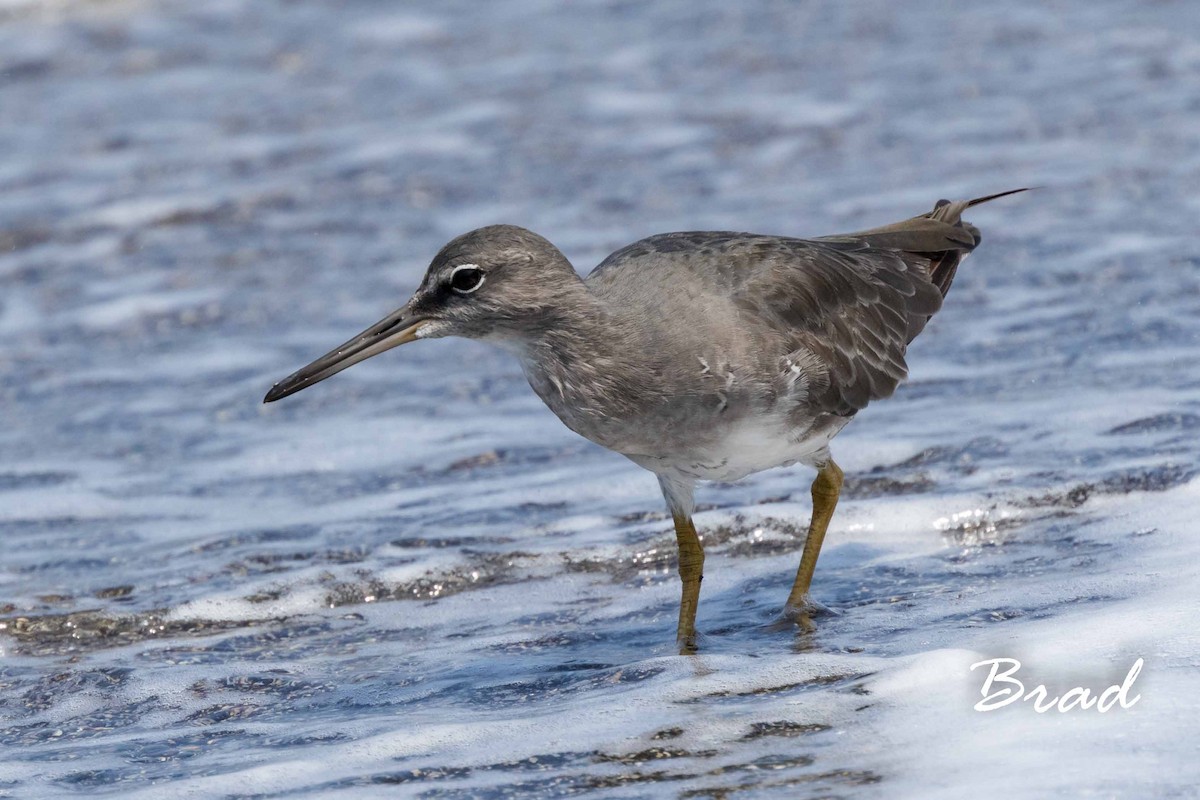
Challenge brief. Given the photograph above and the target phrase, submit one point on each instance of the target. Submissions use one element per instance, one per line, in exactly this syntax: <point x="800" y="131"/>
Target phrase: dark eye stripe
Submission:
<point x="466" y="278"/>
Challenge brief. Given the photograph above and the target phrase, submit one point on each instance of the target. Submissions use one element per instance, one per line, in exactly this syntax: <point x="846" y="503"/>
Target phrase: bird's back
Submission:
<point x="839" y="309"/>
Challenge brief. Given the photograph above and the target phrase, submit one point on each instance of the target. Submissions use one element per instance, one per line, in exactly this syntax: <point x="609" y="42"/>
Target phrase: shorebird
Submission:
<point x="697" y="355"/>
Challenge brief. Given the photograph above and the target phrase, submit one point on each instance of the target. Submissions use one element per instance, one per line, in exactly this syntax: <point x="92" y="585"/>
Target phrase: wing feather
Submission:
<point x="840" y="309"/>
<point x="853" y="309"/>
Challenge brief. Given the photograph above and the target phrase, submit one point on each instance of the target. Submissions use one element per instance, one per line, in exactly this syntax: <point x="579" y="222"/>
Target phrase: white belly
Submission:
<point x="751" y="445"/>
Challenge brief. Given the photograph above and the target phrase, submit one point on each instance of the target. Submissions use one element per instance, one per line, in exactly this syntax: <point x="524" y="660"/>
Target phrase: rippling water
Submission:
<point x="412" y="579"/>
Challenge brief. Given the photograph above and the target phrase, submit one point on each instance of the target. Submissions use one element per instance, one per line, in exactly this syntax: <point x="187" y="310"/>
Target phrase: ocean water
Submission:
<point x="411" y="580"/>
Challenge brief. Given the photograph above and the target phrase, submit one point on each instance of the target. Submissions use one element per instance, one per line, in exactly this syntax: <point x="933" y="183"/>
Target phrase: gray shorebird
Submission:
<point x="699" y="355"/>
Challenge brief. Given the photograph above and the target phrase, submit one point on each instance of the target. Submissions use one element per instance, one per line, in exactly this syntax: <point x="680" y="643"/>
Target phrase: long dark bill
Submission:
<point x="394" y="330"/>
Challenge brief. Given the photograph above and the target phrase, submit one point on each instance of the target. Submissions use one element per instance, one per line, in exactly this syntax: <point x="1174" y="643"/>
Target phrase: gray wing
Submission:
<point x="853" y="302"/>
<point x="842" y="309"/>
<point x="846" y="311"/>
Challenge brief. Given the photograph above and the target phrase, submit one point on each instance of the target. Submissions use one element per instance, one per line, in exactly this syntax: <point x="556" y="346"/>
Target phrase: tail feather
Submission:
<point x="935" y="242"/>
<point x="943" y="264"/>
<point x="981" y="200"/>
<point x="940" y="238"/>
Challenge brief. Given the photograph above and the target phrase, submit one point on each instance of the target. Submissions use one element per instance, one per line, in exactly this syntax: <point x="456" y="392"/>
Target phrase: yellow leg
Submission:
<point x="825" y="490"/>
<point x="691" y="571"/>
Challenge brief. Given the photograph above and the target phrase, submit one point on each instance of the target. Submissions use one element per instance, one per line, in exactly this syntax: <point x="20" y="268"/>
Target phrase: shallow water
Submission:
<point x="412" y="579"/>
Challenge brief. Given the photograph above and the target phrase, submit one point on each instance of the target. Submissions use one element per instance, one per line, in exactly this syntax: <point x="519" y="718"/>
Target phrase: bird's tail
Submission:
<point x="940" y="237"/>
<point x="944" y="265"/>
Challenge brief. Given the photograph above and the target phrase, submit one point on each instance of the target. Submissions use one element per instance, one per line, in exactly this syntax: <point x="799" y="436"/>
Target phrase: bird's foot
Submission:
<point x="687" y="645"/>
<point x="808" y="607"/>
<point x="800" y="615"/>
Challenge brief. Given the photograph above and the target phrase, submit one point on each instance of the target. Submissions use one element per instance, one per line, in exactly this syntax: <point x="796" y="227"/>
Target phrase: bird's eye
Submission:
<point x="466" y="278"/>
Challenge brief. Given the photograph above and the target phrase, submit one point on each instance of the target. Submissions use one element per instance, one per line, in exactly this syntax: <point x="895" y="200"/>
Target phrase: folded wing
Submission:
<point x="848" y="305"/>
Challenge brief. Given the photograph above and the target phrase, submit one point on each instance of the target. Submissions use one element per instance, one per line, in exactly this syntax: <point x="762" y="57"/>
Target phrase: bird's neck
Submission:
<point x="573" y="338"/>
<point x="583" y="369"/>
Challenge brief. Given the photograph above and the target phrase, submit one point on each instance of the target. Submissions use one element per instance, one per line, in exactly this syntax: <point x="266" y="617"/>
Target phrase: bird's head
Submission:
<point x="500" y="283"/>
